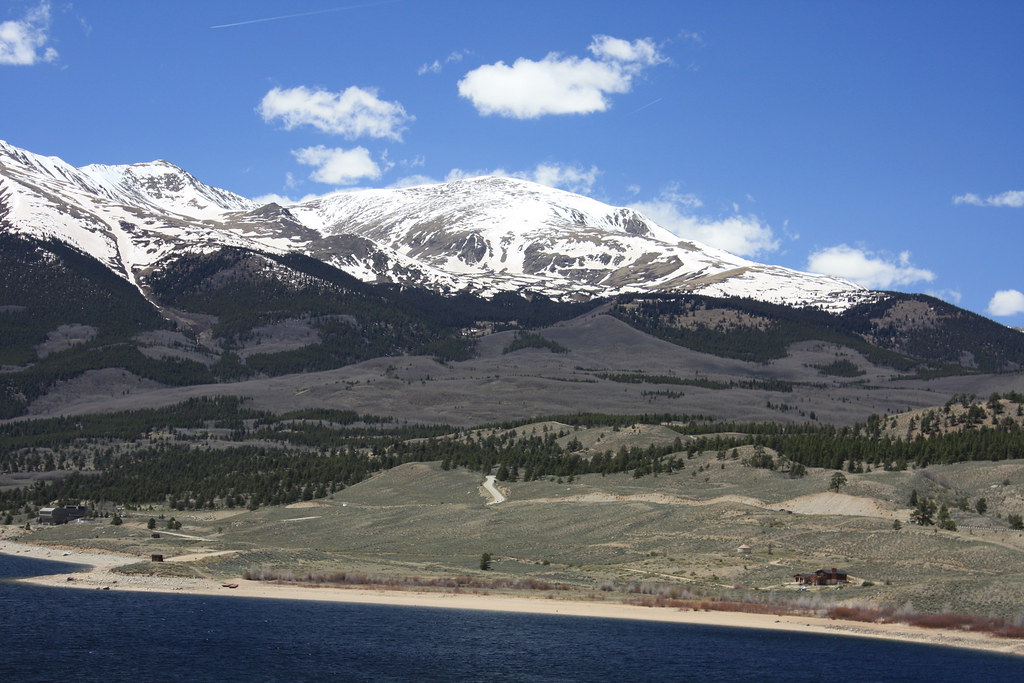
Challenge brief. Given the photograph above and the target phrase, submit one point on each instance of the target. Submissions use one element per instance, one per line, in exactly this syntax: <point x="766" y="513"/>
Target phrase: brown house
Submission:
<point x="822" y="577"/>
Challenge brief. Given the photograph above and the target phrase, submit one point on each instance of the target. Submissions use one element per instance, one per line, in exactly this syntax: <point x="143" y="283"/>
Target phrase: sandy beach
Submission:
<point x="99" y="576"/>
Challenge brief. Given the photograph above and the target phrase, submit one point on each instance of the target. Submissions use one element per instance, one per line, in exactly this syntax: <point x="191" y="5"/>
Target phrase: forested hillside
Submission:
<point x="220" y="302"/>
<point x="219" y="453"/>
<point x="908" y="333"/>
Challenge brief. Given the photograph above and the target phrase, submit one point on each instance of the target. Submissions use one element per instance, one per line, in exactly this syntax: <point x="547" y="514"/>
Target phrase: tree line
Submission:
<point x="220" y="453"/>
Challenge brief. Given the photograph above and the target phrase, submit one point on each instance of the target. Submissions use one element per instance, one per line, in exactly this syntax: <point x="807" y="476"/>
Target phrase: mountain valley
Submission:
<point x="647" y="403"/>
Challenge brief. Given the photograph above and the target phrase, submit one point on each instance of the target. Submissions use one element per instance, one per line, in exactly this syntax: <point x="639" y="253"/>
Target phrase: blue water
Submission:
<point x="53" y="634"/>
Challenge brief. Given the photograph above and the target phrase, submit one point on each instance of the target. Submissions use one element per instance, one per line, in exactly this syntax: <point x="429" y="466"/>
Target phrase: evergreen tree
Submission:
<point x="945" y="520"/>
<point x="924" y="513"/>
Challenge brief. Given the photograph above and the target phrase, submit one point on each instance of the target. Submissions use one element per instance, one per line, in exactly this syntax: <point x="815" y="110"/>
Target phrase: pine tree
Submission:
<point x="945" y="520"/>
<point x="924" y="513"/>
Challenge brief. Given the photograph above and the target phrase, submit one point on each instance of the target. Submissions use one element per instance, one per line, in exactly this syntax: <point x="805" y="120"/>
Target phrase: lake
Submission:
<point x="55" y="634"/>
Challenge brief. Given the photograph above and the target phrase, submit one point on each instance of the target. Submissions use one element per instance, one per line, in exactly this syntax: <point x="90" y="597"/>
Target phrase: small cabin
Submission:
<point x="743" y="549"/>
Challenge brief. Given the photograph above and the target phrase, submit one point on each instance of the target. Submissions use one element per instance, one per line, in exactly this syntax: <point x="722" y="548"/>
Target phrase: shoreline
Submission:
<point x="100" y="576"/>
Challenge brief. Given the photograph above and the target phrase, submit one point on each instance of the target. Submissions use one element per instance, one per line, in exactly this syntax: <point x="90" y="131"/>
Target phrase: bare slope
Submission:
<point x="497" y="386"/>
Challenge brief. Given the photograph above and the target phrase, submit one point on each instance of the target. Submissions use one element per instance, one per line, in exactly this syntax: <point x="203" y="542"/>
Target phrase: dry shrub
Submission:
<point x="866" y="614"/>
<point x="454" y="583"/>
<point x="665" y="596"/>
<point x="1009" y="631"/>
<point x="962" y="622"/>
<point x="949" y="621"/>
<point x="676" y="593"/>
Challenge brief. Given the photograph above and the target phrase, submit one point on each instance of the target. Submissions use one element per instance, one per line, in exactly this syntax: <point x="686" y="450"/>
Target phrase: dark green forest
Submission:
<point x="213" y="453"/>
<point x="47" y="285"/>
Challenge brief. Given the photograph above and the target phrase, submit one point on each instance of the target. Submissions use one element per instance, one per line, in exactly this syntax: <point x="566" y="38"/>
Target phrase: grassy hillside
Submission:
<point x="616" y="536"/>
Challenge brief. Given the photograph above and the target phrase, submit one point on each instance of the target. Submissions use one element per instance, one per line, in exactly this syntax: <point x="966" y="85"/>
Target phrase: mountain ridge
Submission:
<point x="482" y="235"/>
<point x="101" y="297"/>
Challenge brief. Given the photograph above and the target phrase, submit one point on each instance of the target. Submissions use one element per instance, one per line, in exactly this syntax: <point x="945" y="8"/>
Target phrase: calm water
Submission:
<point x="52" y="634"/>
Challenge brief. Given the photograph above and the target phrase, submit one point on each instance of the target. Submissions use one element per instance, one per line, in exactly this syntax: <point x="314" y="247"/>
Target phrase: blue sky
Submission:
<point x="878" y="141"/>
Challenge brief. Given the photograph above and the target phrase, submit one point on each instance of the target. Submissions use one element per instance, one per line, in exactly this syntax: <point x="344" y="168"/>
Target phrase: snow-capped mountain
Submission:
<point x="127" y="217"/>
<point x="483" y="235"/>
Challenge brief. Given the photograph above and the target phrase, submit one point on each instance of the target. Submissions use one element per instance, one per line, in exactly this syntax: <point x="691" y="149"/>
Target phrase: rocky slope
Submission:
<point x="481" y="235"/>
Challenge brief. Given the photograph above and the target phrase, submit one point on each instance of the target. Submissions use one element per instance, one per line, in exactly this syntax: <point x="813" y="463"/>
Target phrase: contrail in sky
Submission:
<point x="303" y="14"/>
<point x="649" y="104"/>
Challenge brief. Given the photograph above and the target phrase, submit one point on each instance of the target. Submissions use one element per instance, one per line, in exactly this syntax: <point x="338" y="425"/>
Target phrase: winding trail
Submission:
<point x="496" y="495"/>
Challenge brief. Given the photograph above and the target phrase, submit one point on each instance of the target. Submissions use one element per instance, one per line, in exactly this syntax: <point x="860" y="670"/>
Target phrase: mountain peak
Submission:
<point x="484" y="234"/>
<point x="167" y="187"/>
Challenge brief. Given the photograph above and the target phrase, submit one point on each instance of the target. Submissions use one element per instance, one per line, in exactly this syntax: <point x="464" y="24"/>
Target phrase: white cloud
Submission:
<point x="418" y="161"/>
<point x="1013" y="199"/>
<point x="572" y="178"/>
<point x="643" y="52"/>
<point x="744" y="235"/>
<point x="569" y="177"/>
<point x="413" y="181"/>
<point x="741" y="235"/>
<point x="874" y="271"/>
<point x="436" y="66"/>
<point x="432" y="68"/>
<point x="558" y="84"/>
<point x="1006" y="302"/>
<point x="950" y="295"/>
<point x="353" y="113"/>
<point x="285" y="200"/>
<point x="23" y="43"/>
<point x="691" y="37"/>
<point x="338" y="166"/>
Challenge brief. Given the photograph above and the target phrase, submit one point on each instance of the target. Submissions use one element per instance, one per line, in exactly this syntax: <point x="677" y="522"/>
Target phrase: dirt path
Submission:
<point x="496" y="495"/>
<point x="191" y="557"/>
<point x="177" y="535"/>
<point x="673" y="577"/>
